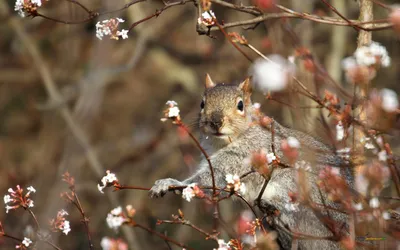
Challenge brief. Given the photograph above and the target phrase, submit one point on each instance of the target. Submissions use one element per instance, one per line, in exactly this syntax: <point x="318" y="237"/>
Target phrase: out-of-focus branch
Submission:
<point x="288" y="13"/>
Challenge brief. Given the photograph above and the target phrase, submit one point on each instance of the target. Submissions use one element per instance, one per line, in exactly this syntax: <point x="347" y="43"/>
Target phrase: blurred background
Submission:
<point x="72" y="102"/>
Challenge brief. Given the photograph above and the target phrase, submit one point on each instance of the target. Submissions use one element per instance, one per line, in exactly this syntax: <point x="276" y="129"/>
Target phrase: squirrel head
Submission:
<point x="225" y="111"/>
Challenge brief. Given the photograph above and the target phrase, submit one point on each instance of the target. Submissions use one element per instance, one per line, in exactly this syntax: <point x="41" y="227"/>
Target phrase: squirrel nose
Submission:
<point x="216" y="120"/>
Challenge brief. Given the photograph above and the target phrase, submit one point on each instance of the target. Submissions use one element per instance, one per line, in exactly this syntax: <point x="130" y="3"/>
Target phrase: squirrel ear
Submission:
<point x="245" y="86"/>
<point x="209" y="82"/>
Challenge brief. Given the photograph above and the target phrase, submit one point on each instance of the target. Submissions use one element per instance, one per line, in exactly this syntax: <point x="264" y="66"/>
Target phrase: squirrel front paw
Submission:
<point x="160" y="187"/>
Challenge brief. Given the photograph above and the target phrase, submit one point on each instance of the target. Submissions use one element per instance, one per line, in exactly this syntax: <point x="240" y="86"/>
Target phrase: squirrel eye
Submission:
<point x="240" y="105"/>
<point x="202" y="104"/>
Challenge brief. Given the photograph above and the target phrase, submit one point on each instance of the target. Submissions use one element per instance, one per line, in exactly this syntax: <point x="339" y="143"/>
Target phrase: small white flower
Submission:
<point x="382" y="155"/>
<point x="65" y="227"/>
<point x="386" y="215"/>
<point x="8" y="208"/>
<point x="120" y="20"/>
<point x="206" y="18"/>
<point x="30" y="203"/>
<point x="293" y="142"/>
<point x="374" y="202"/>
<point x="116" y="211"/>
<point x="171" y="103"/>
<point x="339" y="131"/>
<point x="62" y="212"/>
<point x="115" y="218"/>
<point x="26" y="242"/>
<point x="358" y="206"/>
<point x="123" y="33"/>
<point x="271" y="157"/>
<point x="230" y="178"/>
<point x="349" y="63"/>
<point x="390" y="102"/>
<point x="109" y="178"/>
<point x="222" y="245"/>
<point x="188" y="192"/>
<point x="257" y="105"/>
<point x="233" y="182"/>
<point x="31" y="189"/>
<point x="271" y="75"/>
<point x="7" y="199"/>
<point x="173" y="112"/>
<point x="368" y="55"/>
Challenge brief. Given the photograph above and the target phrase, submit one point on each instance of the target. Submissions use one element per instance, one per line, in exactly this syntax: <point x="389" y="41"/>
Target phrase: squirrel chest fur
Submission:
<point x="229" y="136"/>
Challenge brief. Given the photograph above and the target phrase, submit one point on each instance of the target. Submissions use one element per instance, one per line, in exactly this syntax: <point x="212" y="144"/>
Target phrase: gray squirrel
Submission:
<point x="229" y="136"/>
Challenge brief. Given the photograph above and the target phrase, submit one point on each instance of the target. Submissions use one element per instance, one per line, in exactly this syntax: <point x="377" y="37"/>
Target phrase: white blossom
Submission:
<point x="65" y="227"/>
<point x="26" y="242"/>
<point x="173" y="112"/>
<point x="106" y="243"/>
<point x="386" y="215"/>
<point x="271" y="75"/>
<point x="374" y="202"/>
<point x="109" y="27"/>
<point x="115" y="218"/>
<point x="293" y="142"/>
<point x="109" y="178"/>
<point x="390" y="102"/>
<point x="7" y="199"/>
<point x="31" y="189"/>
<point x="21" y="6"/>
<point x="339" y="131"/>
<point x="368" y="55"/>
<point x="188" y="192"/>
<point x="271" y="157"/>
<point x="171" y="103"/>
<point x="123" y="33"/>
<point x="206" y="18"/>
<point x="382" y="155"/>
<point x="222" y="245"/>
<point x="358" y="206"/>
<point x="233" y="182"/>
<point x="257" y="105"/>
<point x="349" y="63"/>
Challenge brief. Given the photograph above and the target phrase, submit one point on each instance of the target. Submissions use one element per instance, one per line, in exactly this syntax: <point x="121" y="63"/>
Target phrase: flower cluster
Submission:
<point x="60" y="223"/>
<point x="24" y="7"/>
<point x="207" y="18"/>
<point x="371" y="179"/>
<point x="172" y="112"/>
<point x="234" y="183"/>
<point x="361" y="67"/>
<point x="116" y="218"/>
<point x="26" y="242"/>
<point x="192" y="191"/>
<point x="110" y="28"/>
<point x="113" y="244"/>
<point x="107" y="181"/>
<point x="273" y="74"/>
<point x="15" y="199"/>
